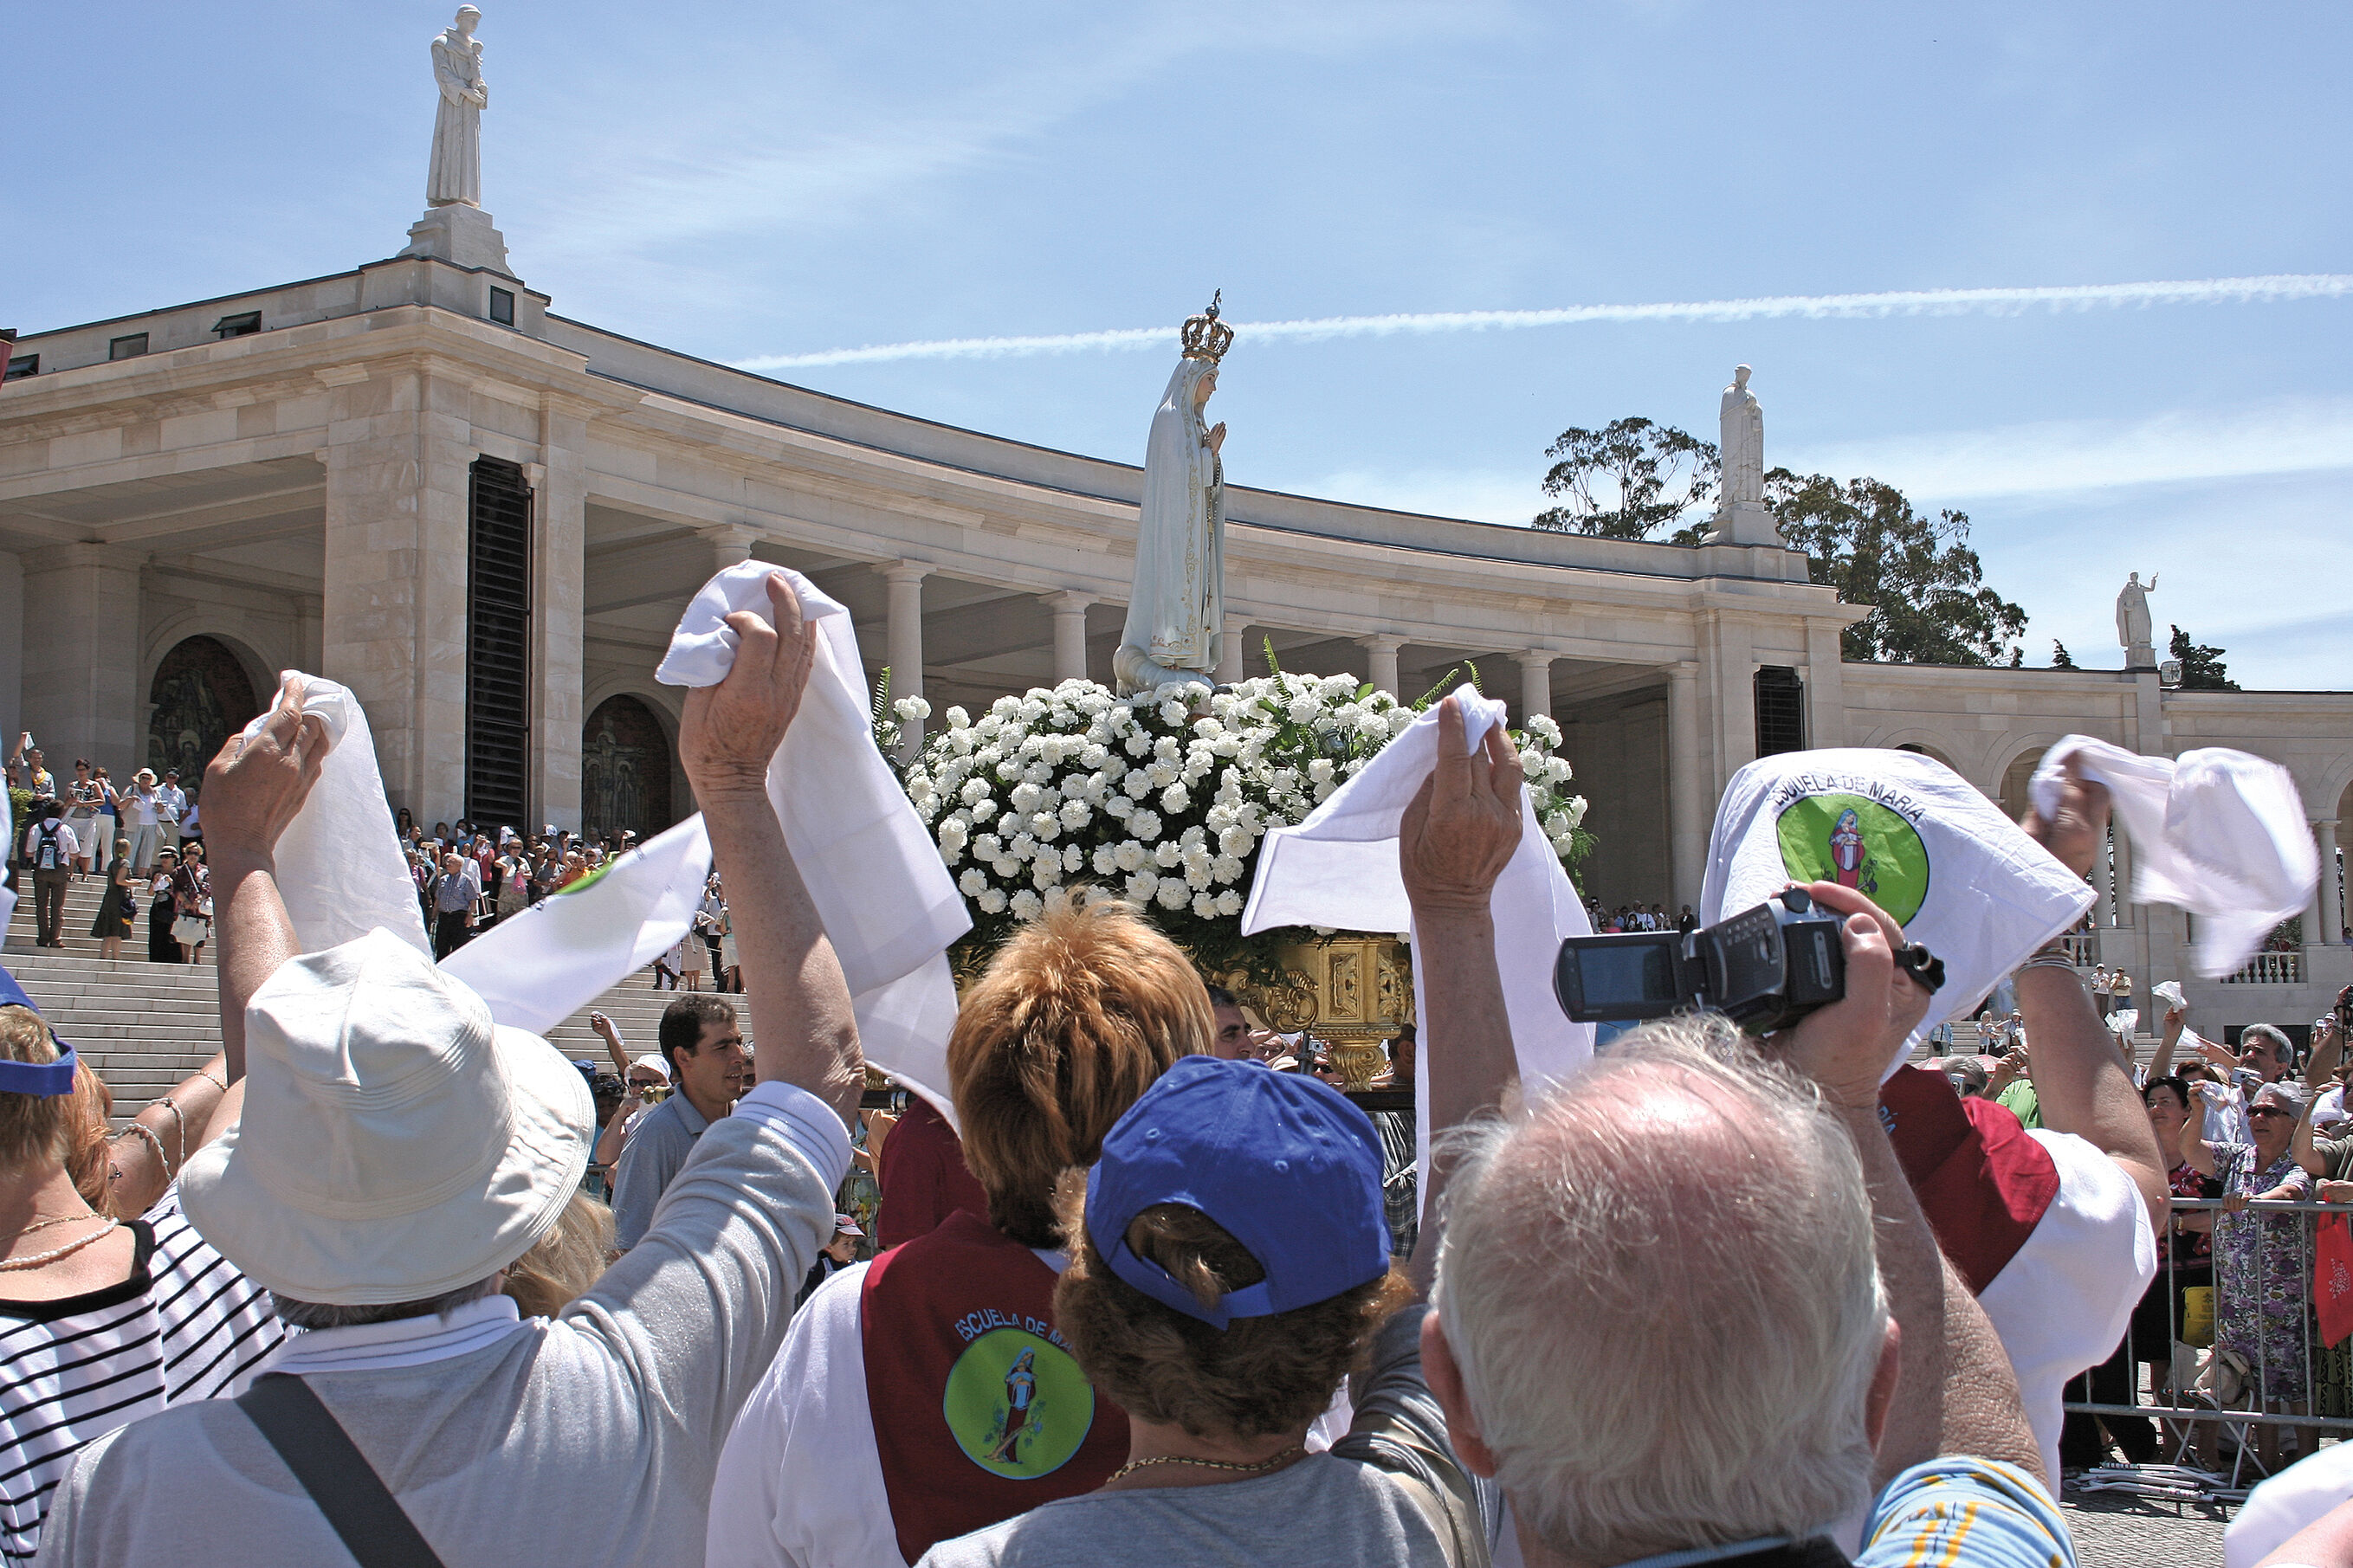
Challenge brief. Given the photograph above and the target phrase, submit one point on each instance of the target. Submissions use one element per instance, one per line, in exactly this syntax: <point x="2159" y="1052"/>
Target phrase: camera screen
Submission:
<point x="1634" y="972"/>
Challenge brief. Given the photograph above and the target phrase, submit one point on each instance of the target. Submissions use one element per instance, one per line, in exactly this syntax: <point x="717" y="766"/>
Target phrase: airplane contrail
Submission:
<point x="2268" y="289"/>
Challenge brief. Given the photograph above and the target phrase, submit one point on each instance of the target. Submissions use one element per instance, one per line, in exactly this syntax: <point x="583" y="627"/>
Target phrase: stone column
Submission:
<point x="1381" y="662"/>
<point x="559" y="526"/>
<point x="1825" y="687"/>
<point x="1535" y="683"/>
<point x="731" y="544"/>
<point x="1069" y="634"/>
<point x="2332" y="904"/>
<point x="12" y="649"/>
<point x="81" y="691"/>
<point x="1690" y="797"/>
<point x="1229" y="652"/>
<point x="1728" y="668"/>
<point x="307" y="612"/>
<point x="2319" y="907"/>
<point x="393" y="620"/>
<point x="906" y="642"/>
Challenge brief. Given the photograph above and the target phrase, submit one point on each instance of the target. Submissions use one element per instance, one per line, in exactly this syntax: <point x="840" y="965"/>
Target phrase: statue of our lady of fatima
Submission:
<point x="1176" y="611"/>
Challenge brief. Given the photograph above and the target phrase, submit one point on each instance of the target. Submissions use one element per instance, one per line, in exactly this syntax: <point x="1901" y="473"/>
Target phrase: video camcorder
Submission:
<point x="1764" y="968"/>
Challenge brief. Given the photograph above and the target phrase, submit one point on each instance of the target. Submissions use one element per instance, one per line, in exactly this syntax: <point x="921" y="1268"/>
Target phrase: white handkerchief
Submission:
<point x="540" y="964"/>
<point x="2215" y="832"/>
<point x="1910" y="834"/>
<point x="340" y="866"/>
<point x="1339" y="868"/>
<point x="886" y="899"/>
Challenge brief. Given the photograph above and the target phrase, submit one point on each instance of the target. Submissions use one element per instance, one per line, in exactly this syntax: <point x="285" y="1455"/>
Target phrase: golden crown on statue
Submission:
<point x="1205" y="337"/>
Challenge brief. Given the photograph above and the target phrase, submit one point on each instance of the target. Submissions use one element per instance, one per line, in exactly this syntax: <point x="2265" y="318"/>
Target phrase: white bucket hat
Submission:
<point x="396" y="1143"/>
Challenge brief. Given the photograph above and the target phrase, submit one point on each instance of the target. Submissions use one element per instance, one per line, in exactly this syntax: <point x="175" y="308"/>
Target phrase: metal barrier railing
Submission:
<point x="2260" y="1272"/>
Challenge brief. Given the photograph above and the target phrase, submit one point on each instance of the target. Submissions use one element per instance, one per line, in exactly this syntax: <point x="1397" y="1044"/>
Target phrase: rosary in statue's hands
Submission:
<point x="1216" y="436"/>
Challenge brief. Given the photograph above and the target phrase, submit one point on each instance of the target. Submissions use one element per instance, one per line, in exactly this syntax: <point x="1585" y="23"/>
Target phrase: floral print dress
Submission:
<point x="2263" y="1284"/>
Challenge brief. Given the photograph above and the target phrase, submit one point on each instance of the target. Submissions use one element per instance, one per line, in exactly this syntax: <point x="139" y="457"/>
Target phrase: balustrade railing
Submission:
<point x="2270" y="969"/>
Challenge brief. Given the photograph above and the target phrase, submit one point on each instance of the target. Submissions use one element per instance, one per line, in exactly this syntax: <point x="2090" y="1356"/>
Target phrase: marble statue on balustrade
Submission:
<point x="2132" y="627"/>
<point x="1741" y="515"/>
<point x="1175" y="609"/>
<point x="456" y="175"/>
<point x="455" y="228"/>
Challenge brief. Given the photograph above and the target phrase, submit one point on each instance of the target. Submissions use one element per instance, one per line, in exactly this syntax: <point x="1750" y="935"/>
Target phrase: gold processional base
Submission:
<point x="1352" y="991"/>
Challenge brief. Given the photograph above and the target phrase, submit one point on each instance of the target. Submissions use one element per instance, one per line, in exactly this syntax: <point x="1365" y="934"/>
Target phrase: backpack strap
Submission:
<point x="366" y="1515"/>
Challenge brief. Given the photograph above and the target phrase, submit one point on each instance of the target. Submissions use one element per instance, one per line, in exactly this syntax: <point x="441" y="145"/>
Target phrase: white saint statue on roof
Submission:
<point x="1176" y="609"/>
<point x="456" y="176"/>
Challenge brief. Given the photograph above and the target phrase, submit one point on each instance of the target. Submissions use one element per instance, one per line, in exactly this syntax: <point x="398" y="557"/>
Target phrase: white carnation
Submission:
<point x="912" y="709"/>
<point x="1075" y="815"/>
<point x="1143" y="886"/>
<point x="1235" y="840"/>
<point x="1226" y="868"/>
<point x="1205" y="906"/>
<point x="1143" y="824"/>
<point x="1137" y="744"/>
<point x="1074" y="858"/>
<point x="1120" y="806"/>
<point x="1174" y="799"/>
<point x="1230" y="902"/>
<point x="1025" y="905"/>
<point x="1046" y="826"/>
<point x="1105" y="860"/>
<point x="1173" y="893"/>
<point x="1173" y="713"/>
<point x="1025" y="844"/>
<point x="1304" y="709"/>
<point x="1047" y="870"/>
<point x="1169" y="852"/>
<point x="1320" y="771"/>
<point x="1024" y="797"/>
<point x="992" y="902"/>
<point x="1092" y="756"/>
<point x="1130" y="856"/>
<point x="973" y="883"/>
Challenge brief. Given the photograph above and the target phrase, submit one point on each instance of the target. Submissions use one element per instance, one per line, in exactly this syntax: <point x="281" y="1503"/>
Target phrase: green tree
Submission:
<point x="2060" y="657"/>
<point x="1628" y="479"/>
<point x="2201" y="666"/>
<point x="1922" y="585"/>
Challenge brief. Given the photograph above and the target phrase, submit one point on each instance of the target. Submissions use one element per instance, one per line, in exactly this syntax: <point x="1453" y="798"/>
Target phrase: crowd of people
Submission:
<point x="1636" y="917"/>
<point x="1135" y="1293"/>
<point x="470" y="876"/>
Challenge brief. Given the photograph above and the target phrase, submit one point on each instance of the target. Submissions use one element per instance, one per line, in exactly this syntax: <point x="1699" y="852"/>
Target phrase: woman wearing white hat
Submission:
<point x="398" y="1150"/>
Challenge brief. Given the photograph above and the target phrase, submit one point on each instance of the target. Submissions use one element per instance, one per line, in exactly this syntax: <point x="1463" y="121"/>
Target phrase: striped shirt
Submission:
<point x="185" y="1325"/>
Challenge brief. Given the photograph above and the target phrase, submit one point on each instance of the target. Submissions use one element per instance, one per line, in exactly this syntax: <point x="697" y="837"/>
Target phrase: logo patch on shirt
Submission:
<point x="1017" y="1404"/>
<point x="1856" y="843"/>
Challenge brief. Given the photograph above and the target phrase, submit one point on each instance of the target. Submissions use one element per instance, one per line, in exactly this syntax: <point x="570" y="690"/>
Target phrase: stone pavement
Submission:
<point x="2113" y="1530"/>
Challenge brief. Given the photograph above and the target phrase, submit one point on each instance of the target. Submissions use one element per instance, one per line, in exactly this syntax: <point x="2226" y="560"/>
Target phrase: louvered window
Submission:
<point x="1780" y="711"/>
<point x="498" y="644"/>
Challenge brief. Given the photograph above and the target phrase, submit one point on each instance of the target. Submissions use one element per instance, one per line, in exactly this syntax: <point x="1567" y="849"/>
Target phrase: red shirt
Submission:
<point x="924" y="1178"/>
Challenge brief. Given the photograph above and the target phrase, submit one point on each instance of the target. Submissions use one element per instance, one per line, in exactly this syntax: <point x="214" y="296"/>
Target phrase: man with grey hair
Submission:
<point x="1686" y="1197"/>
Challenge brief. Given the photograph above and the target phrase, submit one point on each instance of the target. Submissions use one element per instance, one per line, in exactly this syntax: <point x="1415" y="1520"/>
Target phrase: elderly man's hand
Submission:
<point x="2078" y="829"/>
<point x="1846" y="1048"/>
<point x="1464" y="823"/>
<point x="731" y="731"/>
<point x="256" y="786"/>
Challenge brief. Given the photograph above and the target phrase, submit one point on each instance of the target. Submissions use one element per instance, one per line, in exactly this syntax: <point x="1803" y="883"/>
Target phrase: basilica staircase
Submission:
<point x="145" y="1026"/>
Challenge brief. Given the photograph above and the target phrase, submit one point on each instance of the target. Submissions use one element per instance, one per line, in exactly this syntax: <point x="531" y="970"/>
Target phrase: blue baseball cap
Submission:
<point x="1284" y="1162"/>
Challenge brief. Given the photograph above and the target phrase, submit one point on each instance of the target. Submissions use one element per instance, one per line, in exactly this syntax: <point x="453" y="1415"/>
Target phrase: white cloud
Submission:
<point x="1812" y="307"/>
<point x="2289" y="435"/>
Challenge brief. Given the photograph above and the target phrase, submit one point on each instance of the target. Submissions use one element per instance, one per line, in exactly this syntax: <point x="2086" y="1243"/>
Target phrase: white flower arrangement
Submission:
<point x="1164" y="797"/>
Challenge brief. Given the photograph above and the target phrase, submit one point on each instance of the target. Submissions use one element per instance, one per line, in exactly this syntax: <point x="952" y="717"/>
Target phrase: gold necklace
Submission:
<point x="34" y="1260"/>
<point x="1134" y="1465"/>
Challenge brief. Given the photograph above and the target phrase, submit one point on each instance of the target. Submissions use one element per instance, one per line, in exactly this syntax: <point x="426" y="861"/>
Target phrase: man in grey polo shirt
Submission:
<point x="709" y="1072"/>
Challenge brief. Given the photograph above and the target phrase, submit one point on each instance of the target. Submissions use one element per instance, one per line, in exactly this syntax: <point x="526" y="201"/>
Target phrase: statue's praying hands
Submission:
<point x="1216" y="436"/>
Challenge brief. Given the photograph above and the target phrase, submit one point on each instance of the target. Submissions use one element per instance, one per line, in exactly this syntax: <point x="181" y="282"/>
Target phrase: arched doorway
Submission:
<point x="199" y="698"/>
<point x="624" y="769"/>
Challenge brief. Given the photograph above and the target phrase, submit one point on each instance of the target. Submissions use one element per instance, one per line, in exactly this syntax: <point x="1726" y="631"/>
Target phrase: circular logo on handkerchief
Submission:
<point x="1859" y="844"/>
<point x="1017" y="1404"/>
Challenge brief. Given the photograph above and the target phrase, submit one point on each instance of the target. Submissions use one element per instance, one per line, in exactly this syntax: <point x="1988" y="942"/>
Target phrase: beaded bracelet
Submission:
<point x="147" y="1132"/>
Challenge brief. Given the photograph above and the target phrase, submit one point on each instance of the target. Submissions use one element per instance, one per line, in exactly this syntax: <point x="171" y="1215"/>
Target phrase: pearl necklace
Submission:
<point x="34" y="1260"/>
<point x="1283" y="1457"/>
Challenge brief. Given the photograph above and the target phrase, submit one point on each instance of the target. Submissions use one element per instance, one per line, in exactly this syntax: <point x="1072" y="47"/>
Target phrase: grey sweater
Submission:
<point x="585" y="1440"/>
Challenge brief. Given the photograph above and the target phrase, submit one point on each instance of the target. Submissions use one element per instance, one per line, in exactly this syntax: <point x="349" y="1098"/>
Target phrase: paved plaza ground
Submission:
<point x="2114" y="1530"/>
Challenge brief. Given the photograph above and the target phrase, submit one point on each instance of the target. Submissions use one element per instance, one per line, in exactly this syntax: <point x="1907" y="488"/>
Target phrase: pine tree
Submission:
<point x="2201" y="666"/>
<point x="2060" y="657"/>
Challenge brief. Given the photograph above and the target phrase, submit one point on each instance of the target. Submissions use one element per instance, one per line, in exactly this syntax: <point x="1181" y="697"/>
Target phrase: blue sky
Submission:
<point x="748" y="180"/>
